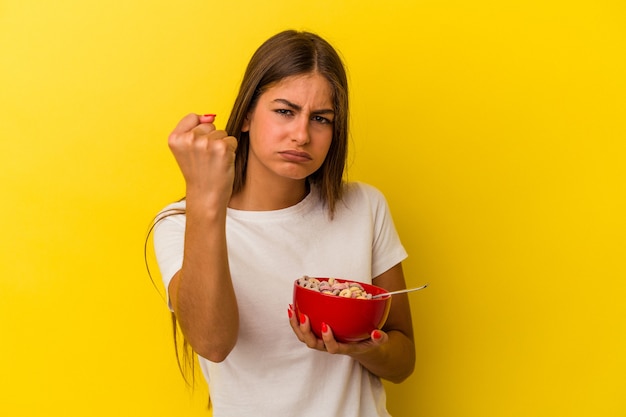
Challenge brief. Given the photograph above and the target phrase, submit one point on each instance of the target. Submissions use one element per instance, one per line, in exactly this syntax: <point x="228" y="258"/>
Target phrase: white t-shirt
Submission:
<point x="270" y="372"/>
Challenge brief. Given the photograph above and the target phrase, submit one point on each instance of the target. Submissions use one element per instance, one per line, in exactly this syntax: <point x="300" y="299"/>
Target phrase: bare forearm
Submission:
<point x="203" y="295"/>
<point x="393" y="361"/>
<point x="202" y="291"/>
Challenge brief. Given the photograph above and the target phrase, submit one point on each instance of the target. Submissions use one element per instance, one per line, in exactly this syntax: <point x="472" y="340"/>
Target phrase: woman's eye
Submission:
<point x="321" y="119"/>
<point x="284" y="112"/>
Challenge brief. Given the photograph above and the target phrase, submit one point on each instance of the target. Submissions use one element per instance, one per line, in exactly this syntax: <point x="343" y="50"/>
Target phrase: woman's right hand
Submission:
<point x="206" y="158"/>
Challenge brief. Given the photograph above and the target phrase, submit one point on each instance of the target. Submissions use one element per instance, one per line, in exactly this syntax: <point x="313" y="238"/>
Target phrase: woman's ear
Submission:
<point x="246" y="124"/>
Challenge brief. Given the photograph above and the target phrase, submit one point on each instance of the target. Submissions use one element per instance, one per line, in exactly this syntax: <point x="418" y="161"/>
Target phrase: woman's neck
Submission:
<point x="263" y="196"/>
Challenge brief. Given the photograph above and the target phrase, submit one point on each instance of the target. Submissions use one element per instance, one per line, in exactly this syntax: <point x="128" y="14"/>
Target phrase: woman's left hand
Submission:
<point x="388" y="353"/>
<point x="301" y="326"/>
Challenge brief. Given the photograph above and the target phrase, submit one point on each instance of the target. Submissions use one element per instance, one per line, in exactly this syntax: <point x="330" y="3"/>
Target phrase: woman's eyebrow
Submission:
<point x="297" y="107"/>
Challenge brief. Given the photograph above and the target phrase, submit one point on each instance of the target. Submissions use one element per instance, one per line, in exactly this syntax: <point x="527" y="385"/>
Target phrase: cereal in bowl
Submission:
<point x="333" y="287"/>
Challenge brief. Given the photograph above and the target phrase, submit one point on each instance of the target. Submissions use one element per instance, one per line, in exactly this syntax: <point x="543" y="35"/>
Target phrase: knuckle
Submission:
<point x="173" y="140"/>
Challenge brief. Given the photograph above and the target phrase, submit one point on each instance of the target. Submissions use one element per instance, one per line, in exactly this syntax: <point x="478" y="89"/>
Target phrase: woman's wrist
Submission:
<point x="206" y="204"/>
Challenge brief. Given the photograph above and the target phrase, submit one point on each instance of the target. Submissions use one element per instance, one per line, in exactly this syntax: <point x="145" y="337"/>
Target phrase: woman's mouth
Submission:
<point x="295" y="156"/>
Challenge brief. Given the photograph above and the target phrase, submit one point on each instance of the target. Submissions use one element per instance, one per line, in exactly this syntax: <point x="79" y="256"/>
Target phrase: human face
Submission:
<point x="290" y="128"/>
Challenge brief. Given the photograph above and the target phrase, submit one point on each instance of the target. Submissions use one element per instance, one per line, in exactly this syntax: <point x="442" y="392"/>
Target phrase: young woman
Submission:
<point x="265" y="204"/>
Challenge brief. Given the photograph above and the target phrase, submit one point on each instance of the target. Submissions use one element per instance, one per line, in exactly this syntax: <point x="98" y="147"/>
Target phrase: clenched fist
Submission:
<point x="206" y="158"/>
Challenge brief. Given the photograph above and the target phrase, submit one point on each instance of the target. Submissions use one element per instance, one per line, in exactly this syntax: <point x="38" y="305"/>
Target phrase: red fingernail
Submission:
<point x="290" y="313"/>
<point x="209" y="115"/>
<point x="377" y="335"/>
<point x="324" y="327"/>
<point x="302" y="318"/>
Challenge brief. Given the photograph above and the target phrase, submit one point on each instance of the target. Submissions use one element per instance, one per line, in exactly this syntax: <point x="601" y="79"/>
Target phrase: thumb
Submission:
<point x="207" y="118"/>
<point x="379" y="337"/>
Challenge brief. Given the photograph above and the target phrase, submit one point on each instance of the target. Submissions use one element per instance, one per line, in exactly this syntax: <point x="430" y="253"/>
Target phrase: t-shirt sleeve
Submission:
<point x="169" y="242"/>
<point x="387" y="249"/>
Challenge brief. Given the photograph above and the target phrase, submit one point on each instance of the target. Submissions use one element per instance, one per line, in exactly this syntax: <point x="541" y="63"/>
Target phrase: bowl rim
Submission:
<point x="295" y="283"/>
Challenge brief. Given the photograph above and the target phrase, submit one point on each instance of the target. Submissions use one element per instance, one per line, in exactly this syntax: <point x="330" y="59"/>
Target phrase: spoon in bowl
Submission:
<point x="400" y="291"/>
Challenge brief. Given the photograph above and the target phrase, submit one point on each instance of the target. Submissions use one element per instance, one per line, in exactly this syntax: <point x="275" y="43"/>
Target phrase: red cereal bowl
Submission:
<point x="350" y="319"/>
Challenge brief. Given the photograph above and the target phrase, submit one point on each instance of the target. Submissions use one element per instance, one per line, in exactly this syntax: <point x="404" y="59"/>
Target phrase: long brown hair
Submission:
<point x="288" y="53"/>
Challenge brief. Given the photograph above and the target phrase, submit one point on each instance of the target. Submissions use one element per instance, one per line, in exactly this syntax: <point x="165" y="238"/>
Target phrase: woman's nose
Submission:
<point x="300" y="132"/>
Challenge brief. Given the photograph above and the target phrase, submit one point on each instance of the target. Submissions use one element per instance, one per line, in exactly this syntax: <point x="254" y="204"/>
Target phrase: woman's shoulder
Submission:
<point x="356" y="189"/>
<point x="179" y="205"/>
<point x="172" y="209"/>
<point x="360" y="194"/>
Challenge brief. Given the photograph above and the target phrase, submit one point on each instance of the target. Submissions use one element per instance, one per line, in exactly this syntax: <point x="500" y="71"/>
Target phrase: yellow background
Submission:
<point x="495" y="128"/>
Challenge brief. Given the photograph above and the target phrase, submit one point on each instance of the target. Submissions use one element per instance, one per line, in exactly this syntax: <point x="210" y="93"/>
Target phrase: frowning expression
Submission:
<point x="290" y="128"/>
